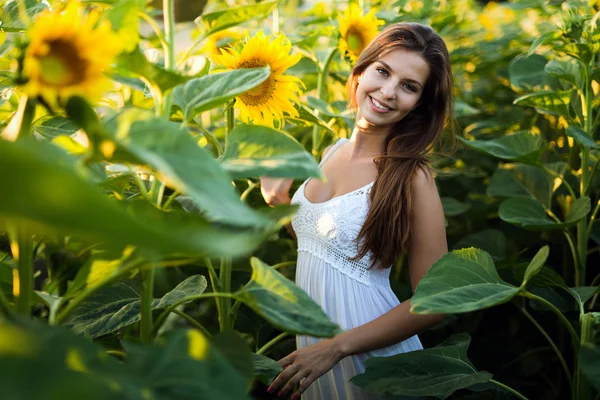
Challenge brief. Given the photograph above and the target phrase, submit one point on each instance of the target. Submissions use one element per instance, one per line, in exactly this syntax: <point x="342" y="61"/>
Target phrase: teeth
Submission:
<point x="379" y="105"/>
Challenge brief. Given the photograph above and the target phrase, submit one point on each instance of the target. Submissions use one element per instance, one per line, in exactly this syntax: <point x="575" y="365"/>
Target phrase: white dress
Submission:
<point x="348" y="292"/>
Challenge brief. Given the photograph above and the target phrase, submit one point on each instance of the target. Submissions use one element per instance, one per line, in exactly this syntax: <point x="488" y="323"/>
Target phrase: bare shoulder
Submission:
<point x="424" y="180"/>
<point x="326" y="150"/>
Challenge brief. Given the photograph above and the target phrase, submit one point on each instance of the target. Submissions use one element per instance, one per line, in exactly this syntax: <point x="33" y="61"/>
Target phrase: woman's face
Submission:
<point x="390" y="88"/>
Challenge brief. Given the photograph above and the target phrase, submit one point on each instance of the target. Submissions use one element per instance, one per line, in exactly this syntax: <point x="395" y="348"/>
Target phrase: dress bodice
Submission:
<point x="329" y="230"/>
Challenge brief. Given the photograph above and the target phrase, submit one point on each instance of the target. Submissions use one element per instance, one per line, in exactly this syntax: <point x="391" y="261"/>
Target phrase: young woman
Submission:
<point x="378" y="201"/>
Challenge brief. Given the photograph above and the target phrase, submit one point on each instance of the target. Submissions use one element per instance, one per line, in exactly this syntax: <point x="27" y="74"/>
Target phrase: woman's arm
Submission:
<point x="428" y="244"/>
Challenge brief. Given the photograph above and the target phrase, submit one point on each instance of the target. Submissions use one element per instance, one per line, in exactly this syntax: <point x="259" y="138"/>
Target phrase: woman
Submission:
<point x="379" y="200"/>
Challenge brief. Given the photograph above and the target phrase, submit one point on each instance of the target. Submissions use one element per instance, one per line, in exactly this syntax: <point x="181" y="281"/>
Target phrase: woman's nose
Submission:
<point x="388" y="91"/>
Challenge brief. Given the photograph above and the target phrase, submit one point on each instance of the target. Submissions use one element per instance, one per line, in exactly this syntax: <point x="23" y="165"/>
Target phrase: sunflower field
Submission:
<point x="138" y="259"/>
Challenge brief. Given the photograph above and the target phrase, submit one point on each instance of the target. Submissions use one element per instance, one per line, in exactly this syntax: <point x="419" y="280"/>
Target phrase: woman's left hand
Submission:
<point x="306" y="365"/>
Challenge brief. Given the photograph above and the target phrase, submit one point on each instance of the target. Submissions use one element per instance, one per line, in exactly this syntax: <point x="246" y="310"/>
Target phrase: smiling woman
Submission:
<point x="379" y="201"/>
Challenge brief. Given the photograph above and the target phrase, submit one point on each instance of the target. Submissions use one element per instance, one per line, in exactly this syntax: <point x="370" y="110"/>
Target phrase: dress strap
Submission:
<point x="337" y="144"/>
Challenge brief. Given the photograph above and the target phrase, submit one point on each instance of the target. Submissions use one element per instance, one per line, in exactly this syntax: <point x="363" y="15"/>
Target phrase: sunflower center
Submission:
<point x="263" y="92"/>
<point x="62" y="66"/>
<point x="355" y="41"/>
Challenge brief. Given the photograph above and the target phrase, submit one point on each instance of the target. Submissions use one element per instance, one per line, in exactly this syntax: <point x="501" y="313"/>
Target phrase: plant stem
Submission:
<point x="272" y="342"/>
<point x="283" y="264"/>
<point x="249" y="189"/>
<point x="23" y="244"/>
<point x="117" y="353"/>
<point x="169" y="25"/>
<point x="592" y="218"/>
<point x="163" y="315"/>
<point x="321" y="94"/>
<point x="225" y="322"/>
<point x="157" y="30"/>
<point x="551" y="342"/>
<point x="192" y="321"/>
<point x="146" y="298"/>
<point x="508" y="389"/>
<point x="561" y="317"/>
<point x="170" y="200"/>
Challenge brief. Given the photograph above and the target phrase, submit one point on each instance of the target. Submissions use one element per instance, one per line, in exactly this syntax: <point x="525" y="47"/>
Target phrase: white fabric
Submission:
<point x="349" y="293"/>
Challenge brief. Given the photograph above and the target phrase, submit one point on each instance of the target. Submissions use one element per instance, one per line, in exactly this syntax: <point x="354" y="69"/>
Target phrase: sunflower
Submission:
<point x="357" y="31"/>
<point x="67" y="54"/>
<point x="266" y="103"/>
<point x="220" y="40"/>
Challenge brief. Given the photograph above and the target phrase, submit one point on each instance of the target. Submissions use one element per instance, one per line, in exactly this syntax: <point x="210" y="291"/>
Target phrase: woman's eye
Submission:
<point x="410" y="87"/>
<point x="382" y="71"/>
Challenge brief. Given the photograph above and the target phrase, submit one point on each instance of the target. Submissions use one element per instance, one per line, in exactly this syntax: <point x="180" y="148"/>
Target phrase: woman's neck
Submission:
<point x="367" y="144"/>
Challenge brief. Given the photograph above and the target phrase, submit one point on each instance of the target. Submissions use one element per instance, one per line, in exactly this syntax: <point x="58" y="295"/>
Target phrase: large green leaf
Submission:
<point x="527" y="72"/>
<point x="113" y="308"/>
<point x="531" y="215"/>
<point x="48" y="195"/>
<point x="254" y="150"/>
<point x="519" y="180"/>
<point x="548" y="102"/>
<point x="589" y="360"/>
<point x="185" y="366"/>
<point x="11" y="19"/>
<point x="461" y="281"/>
<point x="437" y="371"/>
<point x="453" y="207"/>
<point x="187" y="167"/>
<point x="50" y="127"/>
<point x="567" y="69"/>
<point x="584" y="293"/>
<point x="135" y="64"/>
<point x="265" y="368"/>
<point x="582" y="137"/>
<point x="210" y="91"/>
<point x="223" y="19"/>
<point x="489" y="240"/>
<point x="520" y="146"/>
<point x="284" y="304"/>
<point x="237" y="353"/>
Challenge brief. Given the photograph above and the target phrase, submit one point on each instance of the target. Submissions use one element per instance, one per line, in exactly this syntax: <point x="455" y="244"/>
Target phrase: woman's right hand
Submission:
<point x="275" y="191"/>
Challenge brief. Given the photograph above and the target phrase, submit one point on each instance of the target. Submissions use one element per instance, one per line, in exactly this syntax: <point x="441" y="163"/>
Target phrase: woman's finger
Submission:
<point x="292" y="382"/>
<point x="283" y="377"/>
<point x="304" y="384"/>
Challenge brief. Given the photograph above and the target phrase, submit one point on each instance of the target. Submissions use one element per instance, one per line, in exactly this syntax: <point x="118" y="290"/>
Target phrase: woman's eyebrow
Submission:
<point x="413" y="81"/>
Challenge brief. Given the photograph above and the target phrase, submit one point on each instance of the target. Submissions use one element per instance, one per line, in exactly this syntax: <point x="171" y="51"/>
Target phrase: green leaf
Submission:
<point x="589" y="361"/>
<point x="49" y="195"/>
<point x="461" y="281"/>
<point x="284" y="304"/>
<point x="583" y="293"/>
<point x="544" y="39"/>
<point x="520" y="146"/>
<point x="50" y="127"/>
<point x="237" y="353"/>
<point x="123" y="17"/>
<point x="531" y="215"/>
<point x="135" y="64"/>
<point x="536" y="264"/>
<point x="173" y="153"/>
<point x="113" y="308"/>
<point x="462" y="109"/>
<point x="489" y="240"/>
<point x="437" y="371"/>
<point x="526" y="72"/>
<point x="210" y="91"/>
<point x="582" y="137"/>
<point x="219" y="20"/>
<point x="546" y="277"/>
<point x="548" y="102"/>
<point x="453" y="207"/>
<point x="11" y="20"/>
<point x="518" y="180"/>
<point x="254" y="150"/>
<point x="265" y="369"/>
<point x="186" y="367"/>
<point x="568" y="70"/>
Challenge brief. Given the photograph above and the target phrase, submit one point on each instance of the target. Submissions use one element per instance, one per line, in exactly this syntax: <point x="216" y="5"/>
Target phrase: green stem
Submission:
<point x="157" y="30"/>
<point x="192" y="321"/>
<point x="140" y="183"/>
<point x="321" y="94"/>
<point x="225" y="321"/>
<point x="283" y="264"/>
<point x="249" y="189"/>
<point x="161" y="318"/>
<point x="551" y="342"/>
<point x="25" y="266"/>
<point x="508" y="389"/>
<point x="210" y="137"/>
<point x="189" y="50"/>
<point x="146" y="298"/>
<point x="169" y="25"/>
<point x="561" y="317"/>
<point x="592" y="218"/>
<point x="272" y="342"/>
<point x="170" y="200"/>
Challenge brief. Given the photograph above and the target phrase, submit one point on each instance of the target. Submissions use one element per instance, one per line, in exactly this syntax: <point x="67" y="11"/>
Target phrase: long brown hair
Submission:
<point x="386" y="231"/>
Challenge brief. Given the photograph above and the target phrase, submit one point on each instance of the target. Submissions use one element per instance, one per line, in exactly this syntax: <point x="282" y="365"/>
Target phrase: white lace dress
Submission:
<point x="349" y="293"/>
